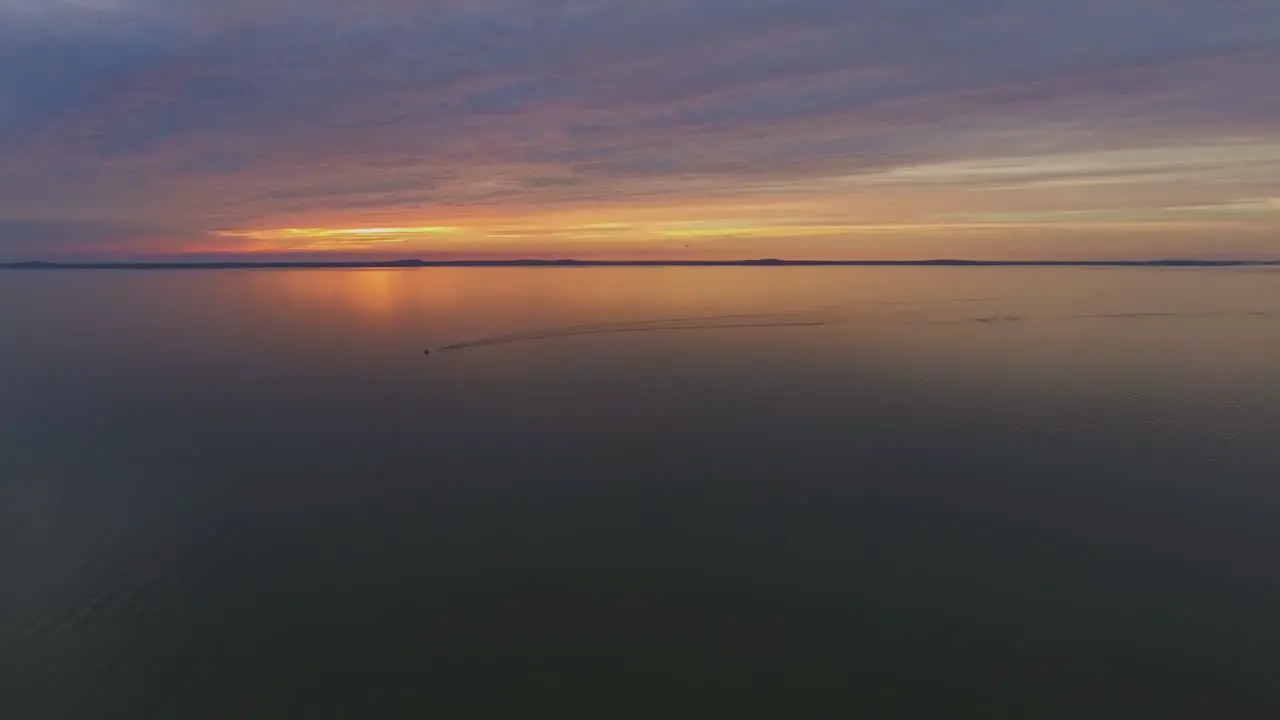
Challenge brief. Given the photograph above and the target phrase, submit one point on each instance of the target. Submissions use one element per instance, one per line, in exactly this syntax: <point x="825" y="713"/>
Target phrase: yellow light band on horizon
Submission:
<point x="295" y="234"/>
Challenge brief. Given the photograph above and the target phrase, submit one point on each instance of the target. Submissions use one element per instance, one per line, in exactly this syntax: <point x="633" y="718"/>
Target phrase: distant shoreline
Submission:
<point x="768" y="262"/>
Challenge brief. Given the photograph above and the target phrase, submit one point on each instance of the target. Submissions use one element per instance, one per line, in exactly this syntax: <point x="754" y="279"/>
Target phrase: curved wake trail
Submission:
<point x="709" y="322"/>
<point x="775" y="320"/>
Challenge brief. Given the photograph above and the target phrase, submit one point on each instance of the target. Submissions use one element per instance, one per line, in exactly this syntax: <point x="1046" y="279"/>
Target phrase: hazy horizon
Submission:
<point x="338" y="261"/>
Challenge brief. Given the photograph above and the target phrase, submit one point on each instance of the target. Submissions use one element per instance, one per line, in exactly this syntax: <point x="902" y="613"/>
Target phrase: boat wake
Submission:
<point x="706" y="322"/>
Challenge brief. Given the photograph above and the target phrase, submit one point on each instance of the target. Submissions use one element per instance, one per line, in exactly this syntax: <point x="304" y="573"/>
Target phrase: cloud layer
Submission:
<point x="834" y="127"/>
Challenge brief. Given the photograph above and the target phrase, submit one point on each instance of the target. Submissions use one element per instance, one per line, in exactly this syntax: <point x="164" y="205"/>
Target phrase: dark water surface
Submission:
<point x="900" y="492"/>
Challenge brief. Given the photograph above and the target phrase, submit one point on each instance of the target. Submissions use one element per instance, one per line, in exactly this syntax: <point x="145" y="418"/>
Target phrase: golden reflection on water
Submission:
<point x="1185" y="329"/>
<point x="1053" y="326"/>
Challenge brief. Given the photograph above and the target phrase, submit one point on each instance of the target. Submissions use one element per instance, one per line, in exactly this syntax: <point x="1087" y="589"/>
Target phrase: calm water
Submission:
<point x="911" y="492"/>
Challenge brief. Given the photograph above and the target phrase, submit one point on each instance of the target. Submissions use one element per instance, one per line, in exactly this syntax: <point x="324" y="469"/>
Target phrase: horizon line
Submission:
<point x="570" y="262"/>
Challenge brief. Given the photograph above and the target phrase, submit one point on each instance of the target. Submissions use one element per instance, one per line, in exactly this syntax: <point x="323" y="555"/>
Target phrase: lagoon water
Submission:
<point x="651" y="492"/>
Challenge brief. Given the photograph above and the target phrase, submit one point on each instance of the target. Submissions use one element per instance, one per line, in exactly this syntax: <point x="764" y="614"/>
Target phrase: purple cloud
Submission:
<point x="206" y="115"/>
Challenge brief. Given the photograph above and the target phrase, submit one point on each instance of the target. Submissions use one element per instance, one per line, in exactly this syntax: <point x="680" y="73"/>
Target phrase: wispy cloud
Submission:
<point x="524" y="121"/>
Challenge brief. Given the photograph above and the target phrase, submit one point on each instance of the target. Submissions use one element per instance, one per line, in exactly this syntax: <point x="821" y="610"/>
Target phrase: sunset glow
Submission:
<point x="787" y="129"/>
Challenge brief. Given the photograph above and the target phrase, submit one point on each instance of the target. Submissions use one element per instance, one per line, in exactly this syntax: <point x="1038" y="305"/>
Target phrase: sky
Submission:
<point x="711" y="129"/>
